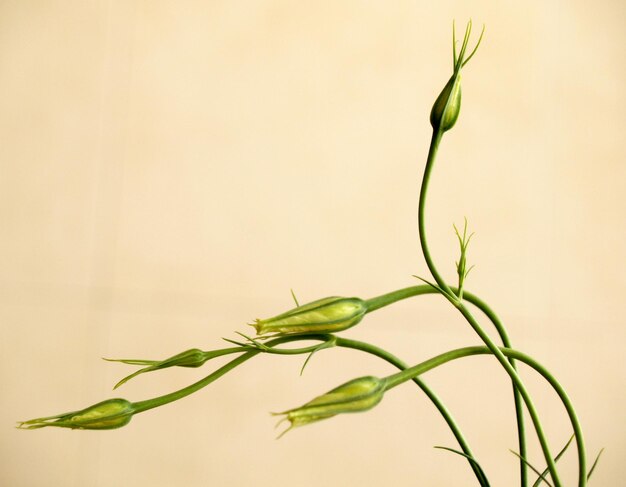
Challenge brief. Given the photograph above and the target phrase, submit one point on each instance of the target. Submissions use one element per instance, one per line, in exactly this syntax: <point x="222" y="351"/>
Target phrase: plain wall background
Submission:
<point x="169" y="170"/>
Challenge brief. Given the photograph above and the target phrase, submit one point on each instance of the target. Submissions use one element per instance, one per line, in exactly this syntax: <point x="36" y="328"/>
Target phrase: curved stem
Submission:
<point x="389" y="298"/>
<point x="445" y="413"/>
<point x="517" y="396"/>
<point x="331" y="340"/>
<point x="386" y="299"/>
<point x="508" y="367"/>
<point x="156" y="402"/>
<point x="432" y="154"/>
<point x="147" y="404"/>
<point x="522" y="390"/>
<point x="407" y="374"/>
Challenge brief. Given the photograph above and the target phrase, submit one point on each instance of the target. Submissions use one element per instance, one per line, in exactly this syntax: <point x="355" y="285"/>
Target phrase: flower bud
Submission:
<point x="326" y="315"/>
<point x="445" y="111"/>
<point x="352" y="397"/>
<point x="109" y="414"/>
<point x="447" y="107"/>
<point x="193" y="357"/>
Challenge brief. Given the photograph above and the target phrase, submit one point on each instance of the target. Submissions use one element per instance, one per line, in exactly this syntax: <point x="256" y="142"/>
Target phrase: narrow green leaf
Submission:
<point x="293" y="295"/>
<point x="452" y="298"/>
<point x="541" y="476"/>
<point x="131" y="361"/>
<point x="593" y="467"/>
<point x="556" y="459"/>
<point x="483" y="478"/>
<point x="321" y="346"/>
<point x="239" y="344"/>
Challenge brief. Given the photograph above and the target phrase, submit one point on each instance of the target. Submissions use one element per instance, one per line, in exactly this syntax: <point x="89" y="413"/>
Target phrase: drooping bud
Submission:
<point x="109" y="414"/>
<point x="326" y="315"/>
<point x="447" y="106"/>
<point x="355" y="396"/>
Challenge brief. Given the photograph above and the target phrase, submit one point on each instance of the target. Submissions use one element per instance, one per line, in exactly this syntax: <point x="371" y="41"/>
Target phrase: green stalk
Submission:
<point x="155" y="402"/>
<point x="430" y="160"/>
<point x="445" y="413"/>
<point x="389" y="298"/>
<point x="331" y="340"/>
<point x="407" y="374"/>
<point x="508" y="367"/>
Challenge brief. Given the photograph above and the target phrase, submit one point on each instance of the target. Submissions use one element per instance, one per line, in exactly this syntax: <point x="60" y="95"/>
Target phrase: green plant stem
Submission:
<point x="396" y="362"/>
<point x="430" y="160"/>
<point x="331" y="340"/>
<point x="156" y="402"/>
<point x="407" y="374"/>
<point x="392" y="297"/>
<point x="445" y="413"/>
<point x="247" y="354"/>
<point x="508" y="367"/>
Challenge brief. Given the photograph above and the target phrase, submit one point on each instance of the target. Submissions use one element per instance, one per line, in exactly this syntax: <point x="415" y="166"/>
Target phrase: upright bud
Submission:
<point x="447" y="107"/>
<point x="109" y="414"/>
<point x="352" y="397"/>
<point x="326" y="315"/>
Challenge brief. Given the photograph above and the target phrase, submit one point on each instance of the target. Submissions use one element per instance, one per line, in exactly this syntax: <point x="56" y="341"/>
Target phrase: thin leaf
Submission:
<point x="239" y="344"/>
<point x="556" y="459"/>
<point x="253" y="342"/>
<point x="481" y="473"/>
<point x="131" y="361"/>
<point x="541" y="476"/>
<point x="322" y="346"/>
<point x="306" y="361"/>
<point x="293" y="295"/>
<point x="132" y="376"/>
<point x="453" y="44"/>
<point x="476" y="48"/>
<point x="593" y="467"/>
<point x="450" y="297"/>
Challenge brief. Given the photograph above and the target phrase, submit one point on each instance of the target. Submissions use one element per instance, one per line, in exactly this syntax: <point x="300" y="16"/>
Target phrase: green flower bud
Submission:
<point x="189" y="358"/>
<point x="193" y="357"/>
<point x="109" y="414"/>
<point x="326" y="315"/>
<point x="447" y="107"/>
<point x="352" y="397"/>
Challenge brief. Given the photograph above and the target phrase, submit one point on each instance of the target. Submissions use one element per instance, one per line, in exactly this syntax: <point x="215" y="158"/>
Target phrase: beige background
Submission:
<point x="169" y="170"/>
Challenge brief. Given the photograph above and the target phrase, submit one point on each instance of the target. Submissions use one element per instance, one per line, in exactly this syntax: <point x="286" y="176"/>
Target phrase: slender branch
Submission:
<point x="407" y="374"/>
<point x="330" y="341"/>
<point x="392" y="297"/>
<point x="445" y="413"/>
<point x="421" y="220"/>
<point x="142" y="406"/>
<point x="508" y="367"/>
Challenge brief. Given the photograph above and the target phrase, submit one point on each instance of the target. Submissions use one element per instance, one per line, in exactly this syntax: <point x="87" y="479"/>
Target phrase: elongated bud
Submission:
<point x="109" y="414"/>
<point x="355" y="396"/>
<point x="326" y="315"/>
<point x="193" y="357"/>
<point x="447" y="106"/>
